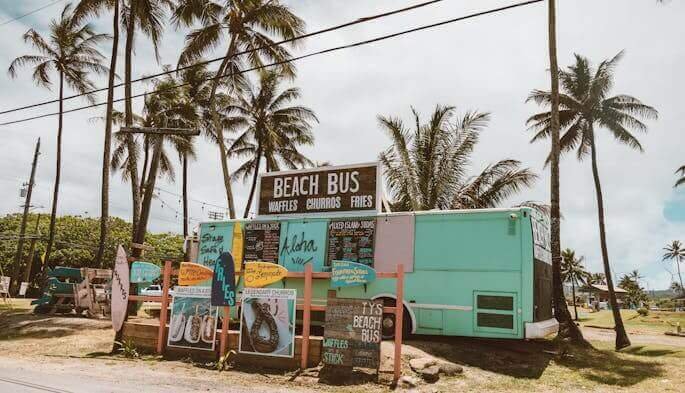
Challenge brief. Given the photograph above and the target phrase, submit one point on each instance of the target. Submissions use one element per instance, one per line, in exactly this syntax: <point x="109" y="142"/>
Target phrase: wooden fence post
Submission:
<point x="165" y="304"/>
<point x="306" y="314"/>
<point x="399" y="313"/>
<point x="224" y="331"/>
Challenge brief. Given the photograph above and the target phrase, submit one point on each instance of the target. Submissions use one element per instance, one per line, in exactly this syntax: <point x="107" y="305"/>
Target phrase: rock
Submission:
<point x="430" y="374"/>
<point x="407" y="382"/>
<point x="419" y="364"/>
<point x="450" y="369"/>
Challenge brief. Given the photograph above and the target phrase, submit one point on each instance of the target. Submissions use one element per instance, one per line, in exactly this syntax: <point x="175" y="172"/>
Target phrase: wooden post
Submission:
<point x="223" y="342"/>
<point x="306" y="314"/>
<point x="165" y="304"/>
<point x="399" y="313"/>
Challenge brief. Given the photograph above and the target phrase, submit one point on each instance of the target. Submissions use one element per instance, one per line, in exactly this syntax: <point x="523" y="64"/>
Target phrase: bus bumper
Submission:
<point x="541" y="329"/>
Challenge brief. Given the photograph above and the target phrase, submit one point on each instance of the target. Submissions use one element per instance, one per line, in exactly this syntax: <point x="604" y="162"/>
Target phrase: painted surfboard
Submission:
<point x="261" y="274"/>
<point x="223" y="282"/>
<point x="120" y="284"/>
<point x="193" y="274"/>
<point x="349" y="274"/>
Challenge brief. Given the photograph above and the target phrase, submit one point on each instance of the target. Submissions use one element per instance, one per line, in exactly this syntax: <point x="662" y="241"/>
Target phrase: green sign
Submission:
<point x="349" y="274"/>
<point x="144" y="272"/>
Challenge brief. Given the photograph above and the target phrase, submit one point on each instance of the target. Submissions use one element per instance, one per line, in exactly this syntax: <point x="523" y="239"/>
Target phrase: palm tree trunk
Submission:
<point x="146" y="159"/>
<point x="185" y="195"/>
<point x="568" y="328"/>
<point x="147" y="197"/>
<point x="573" y="291"/>
<point x="128" y="121"/>
<point x="104" y="215"/>
<point x="58" y="166"/>
<point x="254" y="181"/>
<point x="218" y="128"/>
<point x="677" y="263"/>
<point x="622" y="340"/>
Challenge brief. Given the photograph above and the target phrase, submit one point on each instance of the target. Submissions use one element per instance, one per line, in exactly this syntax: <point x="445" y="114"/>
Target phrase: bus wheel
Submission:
<point x="388" y="322"/>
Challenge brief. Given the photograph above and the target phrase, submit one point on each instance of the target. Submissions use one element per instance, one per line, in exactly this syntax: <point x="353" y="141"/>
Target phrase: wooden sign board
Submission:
<point x="261" y="241"/>
<point x="352" y="333"/>
<point x="352" y="188"/>
<point x="193" y="274"/>
<point x="351" y="240"/>
<point x="261" y="274"/>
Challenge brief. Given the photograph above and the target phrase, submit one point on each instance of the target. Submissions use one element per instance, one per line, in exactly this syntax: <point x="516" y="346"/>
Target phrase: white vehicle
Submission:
<point x="154" y="290"/>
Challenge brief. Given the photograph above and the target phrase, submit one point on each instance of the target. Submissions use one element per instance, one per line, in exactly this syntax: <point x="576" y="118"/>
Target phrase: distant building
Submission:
<point x="600" y="293"/>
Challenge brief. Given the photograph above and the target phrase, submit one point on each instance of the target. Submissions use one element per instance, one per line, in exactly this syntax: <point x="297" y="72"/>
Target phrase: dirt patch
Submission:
<point x="636" y="337"/>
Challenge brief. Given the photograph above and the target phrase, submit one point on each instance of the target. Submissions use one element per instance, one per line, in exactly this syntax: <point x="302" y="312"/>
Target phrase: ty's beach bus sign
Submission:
<point x="354" y="188"/>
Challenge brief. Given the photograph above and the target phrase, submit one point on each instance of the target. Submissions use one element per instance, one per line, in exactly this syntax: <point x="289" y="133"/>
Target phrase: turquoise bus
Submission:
<point x="477" y="273"/>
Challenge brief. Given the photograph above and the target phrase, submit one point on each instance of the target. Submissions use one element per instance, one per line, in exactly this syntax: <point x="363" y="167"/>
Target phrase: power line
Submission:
<point x="286" y="41"/>
<point x="29" y="13"/>
<point x="191" y="199"/>
<point x="321" y="52"/>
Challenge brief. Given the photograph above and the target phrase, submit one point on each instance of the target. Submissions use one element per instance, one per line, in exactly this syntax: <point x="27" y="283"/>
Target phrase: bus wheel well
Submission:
<point x="407" y="318"/>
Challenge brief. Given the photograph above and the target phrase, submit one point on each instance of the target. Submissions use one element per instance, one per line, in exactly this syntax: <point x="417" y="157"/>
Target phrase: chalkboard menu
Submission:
<point x="261" y="241"/>
<point x="352" y="333"/>
<point x="351" y="240"/>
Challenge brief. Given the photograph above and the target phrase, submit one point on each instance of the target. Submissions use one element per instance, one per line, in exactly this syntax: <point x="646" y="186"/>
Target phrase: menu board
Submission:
<point x="351" y="240"/>
<point x="352" y="333"/>
<point x="261" y="241"/>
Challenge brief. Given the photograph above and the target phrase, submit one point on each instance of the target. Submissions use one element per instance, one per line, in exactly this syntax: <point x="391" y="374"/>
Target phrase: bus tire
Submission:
<point x="388" y="321"/>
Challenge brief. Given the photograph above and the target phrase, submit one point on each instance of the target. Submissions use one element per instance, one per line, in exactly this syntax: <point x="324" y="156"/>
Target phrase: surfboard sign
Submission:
<point x="261" y="274"/>
<point x="223" y="282"/>
<point x="193" y="274"/>
<point x="120" y="284"/>
<point x="144" y="272"/>
<point x="349" y="274"/>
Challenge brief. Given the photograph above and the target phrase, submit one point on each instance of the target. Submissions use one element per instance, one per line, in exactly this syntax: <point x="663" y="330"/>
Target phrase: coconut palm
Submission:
<point x="573" y="271"/>
<point x="72" y="52"/>
<point x="675" y="252"/>
<point x="273" y="129"/>
<point x="680" y="181"/>
<point x="87" y="9"/>
<point x="597" y="278"/>
<point x="245" y="25"/>
<point x="426" y="167"/>
<point x="586" y="106"/>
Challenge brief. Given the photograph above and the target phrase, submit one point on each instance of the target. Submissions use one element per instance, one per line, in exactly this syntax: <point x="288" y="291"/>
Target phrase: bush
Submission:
<point x="642" y="311"/>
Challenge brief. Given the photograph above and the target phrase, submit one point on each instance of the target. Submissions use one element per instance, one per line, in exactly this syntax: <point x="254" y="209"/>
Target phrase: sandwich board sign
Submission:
<point x="352" y="332"/>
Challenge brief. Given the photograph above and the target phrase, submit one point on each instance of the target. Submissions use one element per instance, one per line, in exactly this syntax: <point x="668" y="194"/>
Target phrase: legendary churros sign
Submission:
<point x="353" y="188"/>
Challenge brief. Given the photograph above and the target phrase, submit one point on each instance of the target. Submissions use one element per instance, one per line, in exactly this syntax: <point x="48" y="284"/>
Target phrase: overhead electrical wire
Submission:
<point x="29" y="13"/>
<point x="278" y="43"/>
<point x="324" y="51"/>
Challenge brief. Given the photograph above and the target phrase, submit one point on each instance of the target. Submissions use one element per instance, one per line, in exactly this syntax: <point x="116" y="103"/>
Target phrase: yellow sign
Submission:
<point x="260" y="274"/>
<point x="237" y="246"/>
<point x="194" y="274"/>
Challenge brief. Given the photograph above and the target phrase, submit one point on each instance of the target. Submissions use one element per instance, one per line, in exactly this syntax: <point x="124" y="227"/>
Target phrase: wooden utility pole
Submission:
<point x="160" y="132"/>
<point x="22" y="228"/>
<point x="32" y="247"/>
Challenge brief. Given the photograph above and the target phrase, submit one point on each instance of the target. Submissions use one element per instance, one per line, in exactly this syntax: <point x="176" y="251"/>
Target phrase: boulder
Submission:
<point x="430" y="374"/>
<point x="407" y="382"/>
<point x="419" y="364"/>
<point x="450" y="369"/>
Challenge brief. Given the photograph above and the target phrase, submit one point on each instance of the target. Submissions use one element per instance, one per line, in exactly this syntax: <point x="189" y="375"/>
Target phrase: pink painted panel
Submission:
<point x="394" y="243"/>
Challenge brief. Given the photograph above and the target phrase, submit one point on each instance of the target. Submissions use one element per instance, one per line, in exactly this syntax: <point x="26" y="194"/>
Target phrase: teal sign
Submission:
<point x="303" y="242"/>
<point x="215" y="238"/>
<point x="349" y="274"/>
<point x="144" y="272"/>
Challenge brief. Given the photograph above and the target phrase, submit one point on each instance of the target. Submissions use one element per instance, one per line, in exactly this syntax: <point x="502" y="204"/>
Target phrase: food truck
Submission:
<point x="478" y="273"/>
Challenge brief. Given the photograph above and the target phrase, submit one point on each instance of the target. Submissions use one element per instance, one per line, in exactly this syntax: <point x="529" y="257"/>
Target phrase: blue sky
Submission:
<point x="490" y="64"/>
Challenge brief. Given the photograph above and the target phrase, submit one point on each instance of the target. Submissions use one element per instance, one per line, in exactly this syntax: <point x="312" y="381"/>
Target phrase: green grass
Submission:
<point x="656" y="322"/>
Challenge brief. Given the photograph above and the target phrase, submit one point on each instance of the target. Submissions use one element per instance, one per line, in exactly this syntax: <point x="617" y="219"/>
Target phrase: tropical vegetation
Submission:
<point x="675" y="252"/>
<point x="586" y="106"/>
<point x="573" y="271"/>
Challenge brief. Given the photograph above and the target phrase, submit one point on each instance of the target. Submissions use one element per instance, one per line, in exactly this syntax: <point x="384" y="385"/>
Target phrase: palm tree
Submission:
<point x="597" y="278"/>
<point x="675" y="252"/>
<point x="680" y="181"/>
<point x="93" y="8"/>
<point x="585" y="105"/>
<point x="573" y="271"/>
<point x="148" y="16"/>
<point x="273" y="130"/>
<point x="72" y="52"/>
<point x="247" y="25"/>
<point x="426" y="167"/>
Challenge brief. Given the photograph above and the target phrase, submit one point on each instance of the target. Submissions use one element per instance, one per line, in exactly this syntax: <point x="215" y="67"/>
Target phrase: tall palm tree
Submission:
<point x="246" y="25"/>
<point x="584" y="106"/>
<point x="93" y="8"/>
<point x="675" y="252"/>
<point x="72" y="52"/>
<point x="573" y="271"/>
<point x="148" y="16"/>
<point x="597" y="278"/>
<point x="426" y="167"/>
<point x="680" y="181"/>
<point x="273" y="129"/>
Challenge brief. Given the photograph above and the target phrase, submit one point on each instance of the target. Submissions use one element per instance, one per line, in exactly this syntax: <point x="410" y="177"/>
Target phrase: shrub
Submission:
<point x="642" y="311"/>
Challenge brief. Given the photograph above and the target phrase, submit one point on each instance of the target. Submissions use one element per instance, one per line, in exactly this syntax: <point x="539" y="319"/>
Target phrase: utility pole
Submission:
<point x="22" y="229"/>
<point x="160" y="132"/>
<point x="32" y="247"/>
